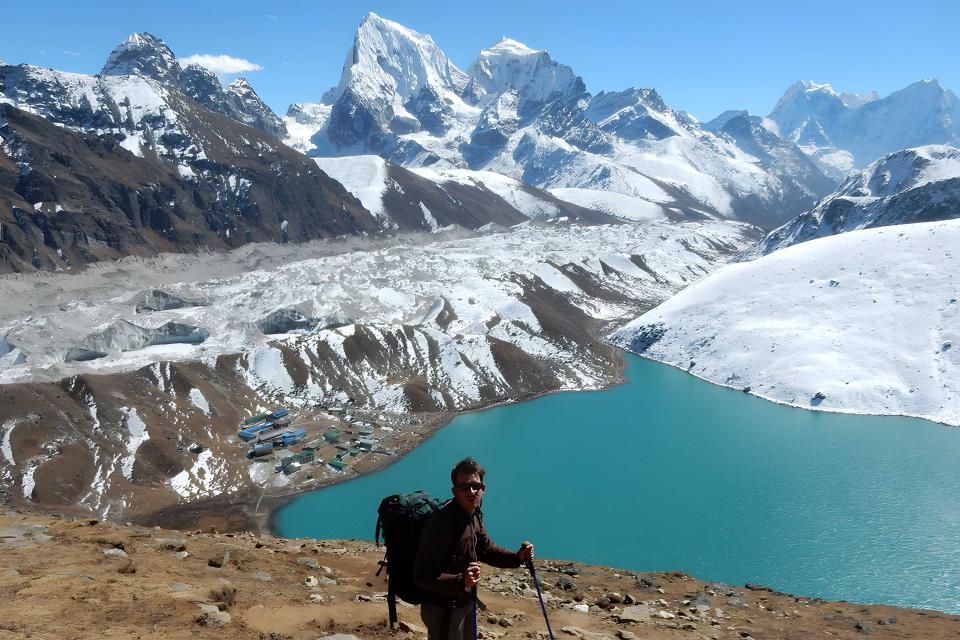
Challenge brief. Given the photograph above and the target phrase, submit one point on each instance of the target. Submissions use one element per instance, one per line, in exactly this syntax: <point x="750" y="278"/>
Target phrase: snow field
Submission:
<point x="869" y="319"/>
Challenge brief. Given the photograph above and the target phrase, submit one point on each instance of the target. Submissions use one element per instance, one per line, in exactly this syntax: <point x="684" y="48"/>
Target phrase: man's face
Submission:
<point x="468" y="491"/>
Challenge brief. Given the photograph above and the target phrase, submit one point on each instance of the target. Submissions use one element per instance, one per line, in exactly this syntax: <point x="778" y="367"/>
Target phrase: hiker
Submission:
<point x="452" y="545"/>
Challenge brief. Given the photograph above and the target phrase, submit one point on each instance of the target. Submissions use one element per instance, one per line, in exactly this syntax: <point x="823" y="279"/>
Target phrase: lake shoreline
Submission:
<point x="770" y="494"/>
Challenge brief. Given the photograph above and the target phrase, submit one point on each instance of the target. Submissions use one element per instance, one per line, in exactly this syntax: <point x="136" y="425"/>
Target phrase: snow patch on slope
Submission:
<point x="138" y="434"/>
<point x="198" y="400"/>
<point x="363" y="176"/>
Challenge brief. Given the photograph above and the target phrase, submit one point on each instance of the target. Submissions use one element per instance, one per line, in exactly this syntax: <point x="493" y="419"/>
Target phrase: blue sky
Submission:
<point x="703" y="57"/>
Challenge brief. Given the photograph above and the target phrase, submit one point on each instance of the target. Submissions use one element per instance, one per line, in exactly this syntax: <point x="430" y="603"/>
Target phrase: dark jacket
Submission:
<point x="452" y="539"/>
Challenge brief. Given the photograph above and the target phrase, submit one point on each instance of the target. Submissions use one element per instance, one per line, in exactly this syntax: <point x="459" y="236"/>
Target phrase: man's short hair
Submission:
<point x="467" y="466"/>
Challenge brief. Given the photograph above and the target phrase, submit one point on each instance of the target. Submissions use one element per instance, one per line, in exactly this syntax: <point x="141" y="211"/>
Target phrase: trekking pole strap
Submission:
<point x="543" y="607"/>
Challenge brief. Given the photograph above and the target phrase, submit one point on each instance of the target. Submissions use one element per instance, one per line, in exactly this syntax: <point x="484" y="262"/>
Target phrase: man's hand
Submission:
<point x="526" y="552"/>
<point x="471" y="576"/>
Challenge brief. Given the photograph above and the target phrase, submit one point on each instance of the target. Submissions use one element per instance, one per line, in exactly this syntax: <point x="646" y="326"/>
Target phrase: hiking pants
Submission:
<point x="461" y="621"/>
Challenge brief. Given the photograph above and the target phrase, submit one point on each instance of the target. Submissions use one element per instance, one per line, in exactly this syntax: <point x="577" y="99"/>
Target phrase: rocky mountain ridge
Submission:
<point x="128" y="162"/>
<point x="518" y="112"/>
<point x="909" y="186"/>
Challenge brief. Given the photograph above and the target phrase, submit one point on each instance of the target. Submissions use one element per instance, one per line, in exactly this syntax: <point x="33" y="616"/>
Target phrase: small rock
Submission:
<point x="180" y="555"/>
<point x="219" y="560"/>
<point x="10" y="573"/>
<point x="361" y="597"/>
<point x="666" y="615"/>
<point x="339" y="636"/>
<point x="629" y="599"/>
<point x="315" y="597"/>
<point x="593" y="608"/>
<point x="581" y="608"/>
<point x="565" y="583"/>
<point x="262" y="576"/>
<point x="327" y="581"/>
<point x="118" y="553"/>
<point x="212" y="616"/>
<point x="311" y="581"/>
<point x="635" y="613"/>
<point x="569" y="569"/>
<point x="623" y="634"/>
<point x="614" y="598"/>
<point x="411" y="627"/>
<point x="603" y="602"/>
<point x="172" y="544"/>
<point x="127" y="568"/>
<point x="180" y="586"/>
<point x="308" y="562"/>
<point x="862" y="626"/>
<point x="583" y="634"/>
<point x="645" y="582"/>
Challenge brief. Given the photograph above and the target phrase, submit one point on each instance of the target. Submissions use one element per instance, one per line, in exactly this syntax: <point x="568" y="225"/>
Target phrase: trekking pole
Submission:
<point x="474" y="612"/>
<point x="543" y="607"/>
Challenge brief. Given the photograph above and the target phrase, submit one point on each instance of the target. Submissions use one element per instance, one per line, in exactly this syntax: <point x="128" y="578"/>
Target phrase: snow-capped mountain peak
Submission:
<point x="513" y="66"/>
<point x="513" y="45"/>
<point x="389" y="56"/>
<point x="394" y="79"/>
<point x="846" y="131"/>
<point x="143" y="54"/>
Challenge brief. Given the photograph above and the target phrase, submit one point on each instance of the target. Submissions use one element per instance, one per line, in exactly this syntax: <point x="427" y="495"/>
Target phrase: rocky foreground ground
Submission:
<point x="63" y="578"/>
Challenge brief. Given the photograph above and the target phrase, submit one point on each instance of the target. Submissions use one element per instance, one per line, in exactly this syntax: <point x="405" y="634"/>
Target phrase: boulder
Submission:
<point x="635" y="613"/>
<point x="219" y="560"/>
<point x="212" y="616"/>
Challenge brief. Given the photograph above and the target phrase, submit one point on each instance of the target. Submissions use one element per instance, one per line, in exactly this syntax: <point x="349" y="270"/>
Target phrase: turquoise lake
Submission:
<point x="669" y="472"/>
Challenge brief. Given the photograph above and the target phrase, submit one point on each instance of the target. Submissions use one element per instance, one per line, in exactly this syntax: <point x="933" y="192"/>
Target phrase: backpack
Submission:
<point x="401" y="518"/>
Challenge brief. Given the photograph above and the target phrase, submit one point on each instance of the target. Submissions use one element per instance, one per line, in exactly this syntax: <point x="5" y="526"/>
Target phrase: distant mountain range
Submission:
<point x="150" y="155"/>
<point x="518" y="112"/>
<point x="843" y="132"/>
<point x="913" y="185"/>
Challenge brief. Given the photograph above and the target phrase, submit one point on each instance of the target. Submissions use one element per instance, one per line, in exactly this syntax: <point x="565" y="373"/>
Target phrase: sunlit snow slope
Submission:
<point x="864" y="322"/>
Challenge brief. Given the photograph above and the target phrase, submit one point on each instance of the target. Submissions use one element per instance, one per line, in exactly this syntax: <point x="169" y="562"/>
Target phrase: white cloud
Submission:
<point x="273" y="17"/>
<point x="221" y="63"/>
<point x="70" y="53"/>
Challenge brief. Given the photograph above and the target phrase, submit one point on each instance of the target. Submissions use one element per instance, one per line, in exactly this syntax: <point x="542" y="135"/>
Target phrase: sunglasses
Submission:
<point x="467" y="486"/>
